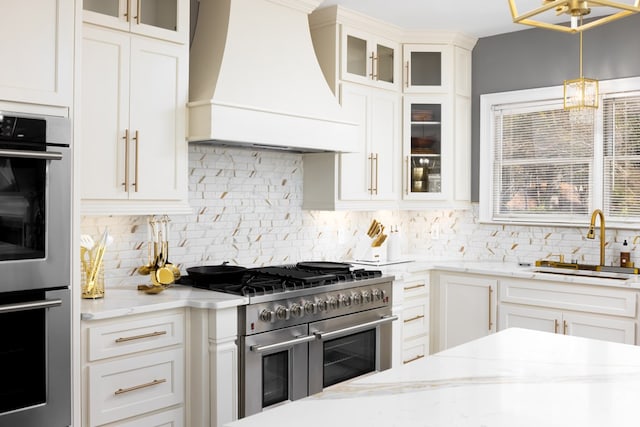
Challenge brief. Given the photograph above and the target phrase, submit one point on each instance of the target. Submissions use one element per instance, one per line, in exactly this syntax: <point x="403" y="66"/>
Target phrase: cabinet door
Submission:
<point x="428" y="68"/>
<point x="158" y="98"/>
<point x="601" y="328"/>
<point x="468" y="307"/>
<point x="538" y="319"/>
<point x="368" y="59"/>
<point x="105" y="113"/>
<point x="428" y="148"/>
<point x="37" y="51"/>
<point x="163" y="19"/>
<point x="370" y="173"/>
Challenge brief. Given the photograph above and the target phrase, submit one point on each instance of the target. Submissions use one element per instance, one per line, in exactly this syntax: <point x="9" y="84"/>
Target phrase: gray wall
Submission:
<point x="539" y="58"/>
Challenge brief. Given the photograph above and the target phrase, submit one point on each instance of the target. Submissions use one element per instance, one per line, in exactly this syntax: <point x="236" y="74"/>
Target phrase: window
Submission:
<point x="539" y="165"/>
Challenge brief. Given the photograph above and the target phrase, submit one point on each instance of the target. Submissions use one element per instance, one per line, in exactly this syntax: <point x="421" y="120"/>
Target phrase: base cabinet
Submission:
<point x="466" y="309"/>
<point x="134" y="370"/>
<point x="411" y="305"/>
<point x="570" y="309"/>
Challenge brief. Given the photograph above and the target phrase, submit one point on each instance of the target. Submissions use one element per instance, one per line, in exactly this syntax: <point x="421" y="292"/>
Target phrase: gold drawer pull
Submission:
<point x="409" y="288"/>
<point x="139" y="337"/>
<point x="138" y="387"/>
<point x="414" y="318"/>
<point x="420" y="356"/>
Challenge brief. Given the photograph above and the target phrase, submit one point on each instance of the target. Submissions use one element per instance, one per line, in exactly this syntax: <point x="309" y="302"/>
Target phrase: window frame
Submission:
<point x="545" y="97"/>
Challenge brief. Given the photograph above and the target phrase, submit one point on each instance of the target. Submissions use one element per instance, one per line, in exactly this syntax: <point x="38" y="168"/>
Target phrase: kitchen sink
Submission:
<point x="586" y="270"/>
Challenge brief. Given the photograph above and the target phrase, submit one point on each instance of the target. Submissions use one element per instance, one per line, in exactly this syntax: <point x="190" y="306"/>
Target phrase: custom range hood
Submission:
<point x="255" y="79"/>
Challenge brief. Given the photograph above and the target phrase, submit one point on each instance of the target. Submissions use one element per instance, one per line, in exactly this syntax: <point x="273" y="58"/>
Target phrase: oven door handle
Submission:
<point x="356" y="328"/>
<point x="33" y="305"/>
<point x="39" y="155"/>
<point x="283" y="344"/>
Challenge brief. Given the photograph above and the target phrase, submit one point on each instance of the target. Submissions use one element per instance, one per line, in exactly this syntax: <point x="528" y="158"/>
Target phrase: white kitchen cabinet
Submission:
<point x="411" y="333"/>
<point x="428" y="68"/>
<point x="37" y="51"/>
<point x="163" y="19"/>
<point x="466" y="308"/>
<point x="133" y="145"/>
<point x="366" y="179"/>
<point x="570" y="309"/>
<point x="133" y="370"/>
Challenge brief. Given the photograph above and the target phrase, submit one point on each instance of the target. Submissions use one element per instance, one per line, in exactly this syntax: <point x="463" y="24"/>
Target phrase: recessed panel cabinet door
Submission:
<point x="158" y="141"/>
<point x="105" y="113"/>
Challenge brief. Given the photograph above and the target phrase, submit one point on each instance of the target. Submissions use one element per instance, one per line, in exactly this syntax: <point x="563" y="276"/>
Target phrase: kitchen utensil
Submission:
<point x="97" y="261"/>
<point x="379" y="240"/>
<point x="222" y="273"/>
<point x="322" y="265"/>
<point x="371" y="232"/>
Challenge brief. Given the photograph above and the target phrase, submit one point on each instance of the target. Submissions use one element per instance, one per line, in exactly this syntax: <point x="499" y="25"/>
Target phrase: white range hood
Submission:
<point x="255" y="79"/>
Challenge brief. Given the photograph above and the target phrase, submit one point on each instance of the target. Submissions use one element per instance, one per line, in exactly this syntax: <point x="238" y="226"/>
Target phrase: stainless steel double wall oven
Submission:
<point x="35" y="270"/>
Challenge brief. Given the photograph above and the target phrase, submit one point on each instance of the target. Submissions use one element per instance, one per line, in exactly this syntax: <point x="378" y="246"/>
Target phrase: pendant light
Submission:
<point x="580" y="93"/>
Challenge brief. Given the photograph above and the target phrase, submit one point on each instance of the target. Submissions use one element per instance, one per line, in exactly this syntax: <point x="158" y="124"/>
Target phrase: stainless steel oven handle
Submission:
<point x="355" y="328"/>
<point x="283" y="344"/>
<point x="43" y="155"/>
<point x="33" y="305"/>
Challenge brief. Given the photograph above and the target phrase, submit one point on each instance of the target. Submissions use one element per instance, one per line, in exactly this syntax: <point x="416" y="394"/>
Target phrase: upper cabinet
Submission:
<point x="37" y="52"/>
<point x="427" y="68"/>
<point x="369" y="59"/>
<point x="162" y="19"/>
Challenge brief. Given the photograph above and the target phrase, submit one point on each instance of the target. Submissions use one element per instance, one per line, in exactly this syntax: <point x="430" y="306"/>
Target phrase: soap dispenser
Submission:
<point x="624" y="254"/>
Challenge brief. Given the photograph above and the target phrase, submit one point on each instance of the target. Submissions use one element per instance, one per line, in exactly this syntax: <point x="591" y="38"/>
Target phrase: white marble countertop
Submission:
<point x="515" y="377"/>
<point x="121" y="302"/>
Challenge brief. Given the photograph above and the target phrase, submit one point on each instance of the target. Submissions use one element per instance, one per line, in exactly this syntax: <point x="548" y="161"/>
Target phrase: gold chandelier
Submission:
<point x="582" y="93"/>
<point x="574" y="8"/>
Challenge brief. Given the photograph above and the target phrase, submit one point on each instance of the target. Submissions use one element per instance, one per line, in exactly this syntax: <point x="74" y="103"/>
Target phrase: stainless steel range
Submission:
<point x="308" y="326"/>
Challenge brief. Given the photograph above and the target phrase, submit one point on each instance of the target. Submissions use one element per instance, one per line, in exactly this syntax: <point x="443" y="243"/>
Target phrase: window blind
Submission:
<point x="621" y="144"/>
<point x="543" y="163"/>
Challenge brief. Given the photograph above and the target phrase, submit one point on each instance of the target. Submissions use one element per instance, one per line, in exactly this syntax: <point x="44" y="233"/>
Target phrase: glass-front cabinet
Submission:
<point x="369" y="60"/>
<point x="427" y="68"/>
<point x="427" y="147"/>
<point x="163" y="19"/>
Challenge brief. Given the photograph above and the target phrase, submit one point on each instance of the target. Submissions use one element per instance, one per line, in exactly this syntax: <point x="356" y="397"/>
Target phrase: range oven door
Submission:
<point x="35" y="358"/>
<point x="35" y="203"/>
<point x="273" y="368"/>
<point x="349" y="346"/>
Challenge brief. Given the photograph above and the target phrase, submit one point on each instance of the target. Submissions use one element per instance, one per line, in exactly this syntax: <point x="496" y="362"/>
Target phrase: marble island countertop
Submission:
<point x="121" y="302"/>
<point x="515" y="377"/>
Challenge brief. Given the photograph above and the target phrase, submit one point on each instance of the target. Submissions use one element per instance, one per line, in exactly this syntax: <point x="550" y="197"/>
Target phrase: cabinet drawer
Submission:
<point x="415" y="348"/>
<point x="135" y="385"/>
<point x="415" y="320"/>
<point x="415" y="289"/>
<point x="592" y="299"/>
<point x="170" y="418"/>
<point x="121" y="338"/>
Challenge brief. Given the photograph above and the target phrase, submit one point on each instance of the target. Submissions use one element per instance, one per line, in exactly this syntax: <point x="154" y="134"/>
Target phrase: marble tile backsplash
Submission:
<point x="247" y="210"/>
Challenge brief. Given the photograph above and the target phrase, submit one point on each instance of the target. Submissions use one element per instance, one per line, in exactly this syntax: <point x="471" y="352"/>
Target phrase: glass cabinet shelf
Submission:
<point x="425" y="153"/>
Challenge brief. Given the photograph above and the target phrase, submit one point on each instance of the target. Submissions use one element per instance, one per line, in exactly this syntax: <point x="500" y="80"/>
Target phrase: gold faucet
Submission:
<point x="591" y="234"/>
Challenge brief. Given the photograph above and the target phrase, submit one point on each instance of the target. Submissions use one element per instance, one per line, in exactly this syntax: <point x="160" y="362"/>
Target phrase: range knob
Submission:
<point x="322" y="305"/>
<point x="366" y="297"/>
<point x="375" y="295"/>
<point x="332" y="303"/>
<point x="282" y="313"/>
<point x="267" y="316"/>
<point x="296" y="310"/>
<point x="344" y="300"/>
<point x="356" y="297"/>
<point x="383" y="294"/>
<point x="309" y="307"/>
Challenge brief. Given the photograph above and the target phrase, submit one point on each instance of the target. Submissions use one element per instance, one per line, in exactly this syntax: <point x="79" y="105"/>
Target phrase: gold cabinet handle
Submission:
<point x="556" y="324"/>
<point x="374" y="59"/>
<point x="139" y="337"/>
<point x="370" y="158"/>
<point x="136" y="138"/>
<point x="565" y="326"/>
<point x="420" y="316"/>
<point x="138" y="12"/>
<point x="376" y="180"/>
<point x="490" y="319"/>
<point x="406" y="67"/>
<point x="125" y="184"/>
<point x="413" y="359"/>
<point x="126" y="12"/>
<point x="138" y="387"/>
<point x="409" y="288"/>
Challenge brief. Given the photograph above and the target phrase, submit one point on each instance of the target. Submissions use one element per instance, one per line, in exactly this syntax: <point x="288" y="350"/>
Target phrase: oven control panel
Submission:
<point x="320" y="305"/>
